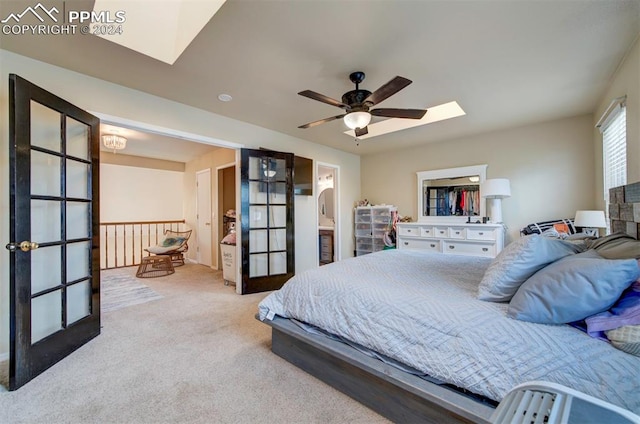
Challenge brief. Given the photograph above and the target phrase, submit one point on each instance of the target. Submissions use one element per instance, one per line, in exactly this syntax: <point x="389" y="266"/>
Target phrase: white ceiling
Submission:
<point x="507" y="63"/>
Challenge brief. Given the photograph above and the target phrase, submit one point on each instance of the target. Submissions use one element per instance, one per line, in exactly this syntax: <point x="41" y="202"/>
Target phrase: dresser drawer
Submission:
<point x="431" y="245"/>
<point x="474" y="249"/>
<point x="456" y="233"/>
<point x="481" y="234"/>
<point x="409" y="231"/>
<point x="426" y="231"/>
<point x="441" y="232"/>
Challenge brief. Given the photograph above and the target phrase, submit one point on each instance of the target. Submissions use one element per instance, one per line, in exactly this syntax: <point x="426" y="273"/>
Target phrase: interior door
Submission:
<point x="266" y="179"/>
<point x="203" y="196"/>
<point x="54" y="259"/>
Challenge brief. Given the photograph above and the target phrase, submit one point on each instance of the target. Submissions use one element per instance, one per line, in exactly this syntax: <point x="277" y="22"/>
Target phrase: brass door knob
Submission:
<point x="25" y="246"/>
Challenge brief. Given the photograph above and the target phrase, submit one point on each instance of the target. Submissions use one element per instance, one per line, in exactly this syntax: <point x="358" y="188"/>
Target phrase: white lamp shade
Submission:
<point x="355" y="120"/>
<point x="590" y="219"/>
<point x="496" y="188"/>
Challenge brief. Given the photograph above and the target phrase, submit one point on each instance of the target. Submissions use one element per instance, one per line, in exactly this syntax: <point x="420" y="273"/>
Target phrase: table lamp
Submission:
<point x="495" y="190"/>
<point x="590" y="221"/>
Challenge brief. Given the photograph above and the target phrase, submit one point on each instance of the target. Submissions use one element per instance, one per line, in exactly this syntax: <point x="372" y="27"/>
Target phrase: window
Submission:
<point x="613" y="126"/>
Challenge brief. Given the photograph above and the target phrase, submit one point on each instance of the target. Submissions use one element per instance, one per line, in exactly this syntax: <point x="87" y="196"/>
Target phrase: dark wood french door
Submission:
<point x="267" y="223"/>
<point x="54" y="220"/>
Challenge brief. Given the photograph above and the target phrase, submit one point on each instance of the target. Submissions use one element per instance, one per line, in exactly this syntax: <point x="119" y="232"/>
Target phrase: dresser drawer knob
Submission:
<point x="433" y="245"/>
<point x="441" y="232"/>
<point x="481" y="233"/>
<point x="408" y="231"/>
<point x="457" y="232"/>
<point x="406" y="243"/>
<point x="485" y="249"/>
<point x="452" y="247"/>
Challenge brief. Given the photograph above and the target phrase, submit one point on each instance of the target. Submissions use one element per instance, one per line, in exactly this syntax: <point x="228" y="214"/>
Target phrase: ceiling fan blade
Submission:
<point x="321" y="121"/>
<point x="361" y="131"/>
<point x="387" y="90"/>
<point x="399" y="113"/>
<point x="324" y="99"/>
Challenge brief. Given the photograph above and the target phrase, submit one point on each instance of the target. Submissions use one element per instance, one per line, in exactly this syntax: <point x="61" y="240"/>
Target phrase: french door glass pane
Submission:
<point x="77" y="139"/>
<point x="278" y="216"/>
<point x="77" y="179"/>
<point x="45" y="221"/>
<point x="278" y="239"/>
<point x="255" y="193"/>
<point x="277" y="193"/>
<point x="78" y="219"/>
<point x="46" y="315"/>
<point x="45" y="127"/>
<point x="257" y="216"/>
<point x="254" y="168"/>
<point x="258" y="265"/>
<point x="77" y="260"/>
<point x="258" y="241"/>
<point x="45" y="174"/>
<point x="45" y="268"/>
<point x="278" y="263"/>
<point x="78" y="301"/>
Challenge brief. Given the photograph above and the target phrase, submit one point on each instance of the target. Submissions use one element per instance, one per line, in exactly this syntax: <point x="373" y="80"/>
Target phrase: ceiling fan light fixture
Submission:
<point x="355" y="120"/>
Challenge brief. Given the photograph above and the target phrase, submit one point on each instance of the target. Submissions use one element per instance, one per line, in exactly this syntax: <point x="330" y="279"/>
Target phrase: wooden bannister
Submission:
<point x="123" y="243"/>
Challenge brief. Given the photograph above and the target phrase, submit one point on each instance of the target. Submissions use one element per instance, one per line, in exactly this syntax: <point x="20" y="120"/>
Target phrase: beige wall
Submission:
<point x="130" y="193"/>
<point x="209" y="161"/>
<point x="625" y="82"/>
<point x="550" y="166"/>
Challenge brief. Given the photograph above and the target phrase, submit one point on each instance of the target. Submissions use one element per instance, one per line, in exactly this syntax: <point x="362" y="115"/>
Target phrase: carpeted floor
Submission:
<point x="119" y="289"/>
<point x="194" y="355"/>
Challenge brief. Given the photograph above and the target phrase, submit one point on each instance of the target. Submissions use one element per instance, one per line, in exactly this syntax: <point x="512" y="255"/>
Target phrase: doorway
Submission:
<point x="226" y="204"/>
<point x="203" y="216"/>
<point x="328" y="213"/>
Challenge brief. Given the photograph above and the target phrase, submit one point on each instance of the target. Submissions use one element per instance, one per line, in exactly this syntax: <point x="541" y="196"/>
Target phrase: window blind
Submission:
<point x="614" y="144"/>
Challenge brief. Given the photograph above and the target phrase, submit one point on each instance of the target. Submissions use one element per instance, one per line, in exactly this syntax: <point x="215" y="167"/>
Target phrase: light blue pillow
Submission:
<point x="518" y="261"/>
<point x="573" y="288"/>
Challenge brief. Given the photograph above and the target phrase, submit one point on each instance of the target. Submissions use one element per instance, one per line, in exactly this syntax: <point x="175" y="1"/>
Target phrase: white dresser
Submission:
<point x="461" y="239"/>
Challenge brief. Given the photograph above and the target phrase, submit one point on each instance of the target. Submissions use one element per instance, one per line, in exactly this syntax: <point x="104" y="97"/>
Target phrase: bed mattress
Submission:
<point x="420" y="309"/>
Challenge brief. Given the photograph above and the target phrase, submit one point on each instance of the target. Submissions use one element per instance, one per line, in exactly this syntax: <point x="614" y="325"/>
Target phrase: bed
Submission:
<point x="405" y="333"/>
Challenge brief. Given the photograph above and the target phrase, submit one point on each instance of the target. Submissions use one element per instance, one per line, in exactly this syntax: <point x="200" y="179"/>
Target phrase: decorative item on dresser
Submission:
<point x="461" y="239"/>
<point x="372" y="222"/>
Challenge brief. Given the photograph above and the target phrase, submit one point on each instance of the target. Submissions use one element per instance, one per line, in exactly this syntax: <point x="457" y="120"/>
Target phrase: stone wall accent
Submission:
<point x="624" y="209"/>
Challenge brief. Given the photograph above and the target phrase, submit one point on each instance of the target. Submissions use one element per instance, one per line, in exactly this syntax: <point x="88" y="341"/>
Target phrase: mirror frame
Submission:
<point x="480" y="170"/>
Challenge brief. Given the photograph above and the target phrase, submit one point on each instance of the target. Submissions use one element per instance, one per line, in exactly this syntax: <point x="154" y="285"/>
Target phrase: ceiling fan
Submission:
<point x="356" y="104"/>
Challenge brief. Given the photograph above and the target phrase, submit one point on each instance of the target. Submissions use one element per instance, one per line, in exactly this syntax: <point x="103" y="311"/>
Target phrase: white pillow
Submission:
<point x="518" y="261"/>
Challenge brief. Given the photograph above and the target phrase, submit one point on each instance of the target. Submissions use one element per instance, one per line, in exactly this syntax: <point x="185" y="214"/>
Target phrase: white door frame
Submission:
<point x="337" y="250"/>
<point x="208" y="236"/>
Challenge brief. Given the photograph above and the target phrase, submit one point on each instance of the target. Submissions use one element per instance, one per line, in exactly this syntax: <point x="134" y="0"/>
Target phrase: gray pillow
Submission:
<point x="518" y="261"/>
<point x="573" y="289"/>
<point x="617" y="246"/>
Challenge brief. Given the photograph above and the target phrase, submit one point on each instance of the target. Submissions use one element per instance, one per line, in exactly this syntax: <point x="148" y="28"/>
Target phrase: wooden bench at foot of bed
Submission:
<point x="397" y="395"/>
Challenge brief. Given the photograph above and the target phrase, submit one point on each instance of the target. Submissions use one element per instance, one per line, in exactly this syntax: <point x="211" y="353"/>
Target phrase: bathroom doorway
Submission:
<point x="328" y="213"/>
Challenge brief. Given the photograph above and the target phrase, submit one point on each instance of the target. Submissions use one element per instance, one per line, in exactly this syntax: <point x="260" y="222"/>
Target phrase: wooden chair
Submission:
<point x="174" y="245"/>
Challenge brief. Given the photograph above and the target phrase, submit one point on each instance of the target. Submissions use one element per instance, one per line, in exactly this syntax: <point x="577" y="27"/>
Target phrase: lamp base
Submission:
<point x="495" y="210"/>
<point x="592" y="232"/>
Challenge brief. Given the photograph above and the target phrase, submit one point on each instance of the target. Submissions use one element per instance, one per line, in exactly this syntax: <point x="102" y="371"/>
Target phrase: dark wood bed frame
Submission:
<point x="395" y="394"/>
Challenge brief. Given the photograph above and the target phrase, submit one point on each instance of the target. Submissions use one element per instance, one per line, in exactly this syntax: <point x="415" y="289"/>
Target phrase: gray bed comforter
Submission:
<point x="421" y="309"/>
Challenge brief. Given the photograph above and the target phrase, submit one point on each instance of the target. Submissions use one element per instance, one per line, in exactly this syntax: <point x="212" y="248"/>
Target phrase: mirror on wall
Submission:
<point x="451" y="194"/>
<point x="325" y="205"/>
